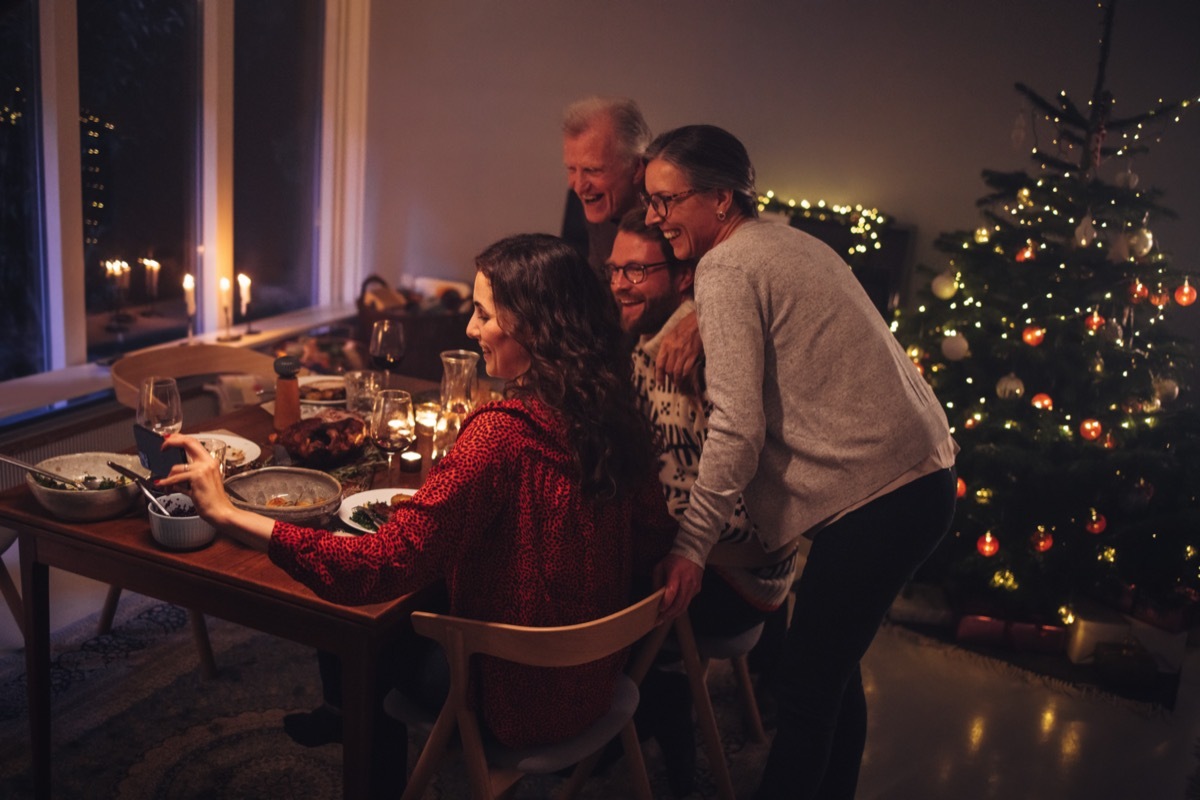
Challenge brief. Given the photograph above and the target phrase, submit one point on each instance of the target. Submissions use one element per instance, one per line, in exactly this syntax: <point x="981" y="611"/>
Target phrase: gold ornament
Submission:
<point x="955" y="347"/>
<point x="944" y="286"/>
<point x="1165" y="389"/>
<point x="1141" y="243"/>
<point x="1010" y="387"/>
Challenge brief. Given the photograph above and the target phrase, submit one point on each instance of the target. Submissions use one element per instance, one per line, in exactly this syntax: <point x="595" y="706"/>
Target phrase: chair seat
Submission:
<point x="536" y="759"/>
<point x="723" y="647"/>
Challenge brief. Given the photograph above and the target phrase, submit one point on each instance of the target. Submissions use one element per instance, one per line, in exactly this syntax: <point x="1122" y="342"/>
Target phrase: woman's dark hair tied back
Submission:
<point x="710" y="158"/>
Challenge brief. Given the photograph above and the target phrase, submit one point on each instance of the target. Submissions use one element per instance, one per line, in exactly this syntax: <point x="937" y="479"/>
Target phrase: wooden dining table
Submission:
<point x="225" y="579"/>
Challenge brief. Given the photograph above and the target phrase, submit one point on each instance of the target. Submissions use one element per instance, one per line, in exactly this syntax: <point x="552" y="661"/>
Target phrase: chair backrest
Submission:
<point x="178" y="361"/>
<point x="563" y="646"/>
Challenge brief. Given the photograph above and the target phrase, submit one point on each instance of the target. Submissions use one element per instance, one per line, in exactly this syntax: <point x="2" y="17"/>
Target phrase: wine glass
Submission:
<point x="387" y="345"/>
<point x="392" y="427"/>
<point x="159" y="408"/>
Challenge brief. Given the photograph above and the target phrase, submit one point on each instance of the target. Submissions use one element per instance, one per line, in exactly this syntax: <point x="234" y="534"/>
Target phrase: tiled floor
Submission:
<point x="948" y="725"/>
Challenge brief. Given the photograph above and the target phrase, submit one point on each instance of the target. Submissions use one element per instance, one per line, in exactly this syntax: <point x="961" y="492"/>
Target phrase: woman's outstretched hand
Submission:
<point x="201" y="478"/>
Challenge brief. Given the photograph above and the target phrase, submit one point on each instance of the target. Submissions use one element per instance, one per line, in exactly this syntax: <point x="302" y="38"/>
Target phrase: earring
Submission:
<point x="721" y="216"/>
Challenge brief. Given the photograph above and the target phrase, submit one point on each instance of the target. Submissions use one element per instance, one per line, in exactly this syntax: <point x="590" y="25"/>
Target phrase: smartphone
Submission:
<point x="151" y="452"/>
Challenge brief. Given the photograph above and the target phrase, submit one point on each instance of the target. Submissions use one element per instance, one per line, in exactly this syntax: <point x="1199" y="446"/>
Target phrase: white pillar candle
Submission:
<point x="152" y="268"/>
<point x="189" y="294"/>
<point x="226" y="293"/>
<point x="244" y="287"/>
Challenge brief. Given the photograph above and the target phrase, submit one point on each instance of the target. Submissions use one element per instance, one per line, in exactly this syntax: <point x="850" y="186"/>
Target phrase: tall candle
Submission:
<point x="244" y="288"/>
<point x="123" y="279"/>
<point x="152" y="268"/>
<point x="189" y="294"/>
<point x="226" y="293"/>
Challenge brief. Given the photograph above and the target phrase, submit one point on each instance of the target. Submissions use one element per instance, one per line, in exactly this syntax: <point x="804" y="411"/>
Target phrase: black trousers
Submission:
<point x="855" y="569"/>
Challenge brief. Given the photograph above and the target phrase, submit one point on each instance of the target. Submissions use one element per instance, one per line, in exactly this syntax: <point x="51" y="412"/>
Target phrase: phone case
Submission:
<point x="152" y="455"/>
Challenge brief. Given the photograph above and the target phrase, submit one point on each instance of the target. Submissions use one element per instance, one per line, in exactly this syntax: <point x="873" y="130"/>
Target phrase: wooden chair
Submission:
<point x="492" y="769"/>
<point x="7" y="587"/>
<point x="706" y="719"/>
<point x="736" y="650"/>
<point x="180" y="361"/>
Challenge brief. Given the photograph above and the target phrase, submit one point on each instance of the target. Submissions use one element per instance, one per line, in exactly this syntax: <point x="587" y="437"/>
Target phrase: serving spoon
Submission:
<point x="143" y="484"/>
<point x="90" y="483"/>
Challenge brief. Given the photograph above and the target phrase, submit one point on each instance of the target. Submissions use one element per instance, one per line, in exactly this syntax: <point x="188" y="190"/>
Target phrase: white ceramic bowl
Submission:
<point x="188" y="532"/>
<point x="300" y="496"/>
<point x="79" y="505"/>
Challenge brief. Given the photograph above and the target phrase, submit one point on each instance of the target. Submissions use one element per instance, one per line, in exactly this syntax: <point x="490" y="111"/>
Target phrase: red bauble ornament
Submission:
<point x="1138" y="291"/>
<point x="1091" y="429"/>
<point x="1185" y="295"/>
<point x="1160" y="297"/>
<point x="1110" y="441"/>
<point x="961" y="488"/>
<point x="1033" y="335"/>
<point x="1096" y="522"/>
<point x="1026" y="253"/>
<point x="1041" y="540"/>
<point x="1094" y="321"/>
<point x="1042" y="401"/>
<point x="987" y="545"/>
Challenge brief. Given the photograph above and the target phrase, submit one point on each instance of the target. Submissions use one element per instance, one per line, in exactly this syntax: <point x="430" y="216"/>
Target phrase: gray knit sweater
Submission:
<point x="815" y="405"/>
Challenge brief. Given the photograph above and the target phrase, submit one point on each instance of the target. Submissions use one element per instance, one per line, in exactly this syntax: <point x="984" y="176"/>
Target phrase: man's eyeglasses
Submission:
<point x="634" y="273"/>
<point x="661" y="202"/>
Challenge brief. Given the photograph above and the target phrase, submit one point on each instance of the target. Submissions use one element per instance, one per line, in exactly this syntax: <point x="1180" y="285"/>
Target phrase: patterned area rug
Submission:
<point x="133" y="719"/>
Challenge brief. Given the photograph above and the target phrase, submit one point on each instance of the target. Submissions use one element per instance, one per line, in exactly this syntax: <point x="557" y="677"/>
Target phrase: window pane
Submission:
<point x="22" y="310"/>
<point x="138" y="88"/>
<point x="277" y="107"/>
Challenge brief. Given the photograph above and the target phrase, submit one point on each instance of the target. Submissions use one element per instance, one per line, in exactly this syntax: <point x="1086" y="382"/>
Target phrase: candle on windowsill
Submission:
<point x="410" y="461"/>
<point x="244" y="289"/>
<point x="189" y="294"/>
<point x="152" y="268"/>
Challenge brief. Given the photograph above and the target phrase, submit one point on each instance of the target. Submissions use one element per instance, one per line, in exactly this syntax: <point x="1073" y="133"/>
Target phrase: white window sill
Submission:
<point x="57" y="389"/>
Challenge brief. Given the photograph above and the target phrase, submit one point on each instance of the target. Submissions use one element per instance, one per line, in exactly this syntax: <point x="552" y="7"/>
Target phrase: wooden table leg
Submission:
<point x="35" y="582"/>
<point x="358" y="715"/>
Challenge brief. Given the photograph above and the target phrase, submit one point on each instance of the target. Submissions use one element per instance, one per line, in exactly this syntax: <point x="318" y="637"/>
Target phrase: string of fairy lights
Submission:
<point x="864" y="224"/>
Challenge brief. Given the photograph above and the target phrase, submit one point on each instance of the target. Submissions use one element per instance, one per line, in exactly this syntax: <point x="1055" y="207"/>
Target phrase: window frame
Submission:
<point x="341" y="173"/>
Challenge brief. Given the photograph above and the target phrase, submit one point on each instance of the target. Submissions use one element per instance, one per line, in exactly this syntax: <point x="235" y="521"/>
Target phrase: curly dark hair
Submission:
<point x="554" y="304"/>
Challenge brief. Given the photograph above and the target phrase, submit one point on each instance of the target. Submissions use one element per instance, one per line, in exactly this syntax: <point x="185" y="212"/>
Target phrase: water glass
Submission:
<point x="216" y="449"/>
<point x="361" y="386"/>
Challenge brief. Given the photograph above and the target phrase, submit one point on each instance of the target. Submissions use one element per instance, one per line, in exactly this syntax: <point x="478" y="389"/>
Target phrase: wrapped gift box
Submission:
<point x="1094" y="625"/>
<point x="1167" y="647"/>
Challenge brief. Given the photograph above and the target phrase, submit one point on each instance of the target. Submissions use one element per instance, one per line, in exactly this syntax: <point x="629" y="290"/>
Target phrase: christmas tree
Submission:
<point x="1044" y="338"/>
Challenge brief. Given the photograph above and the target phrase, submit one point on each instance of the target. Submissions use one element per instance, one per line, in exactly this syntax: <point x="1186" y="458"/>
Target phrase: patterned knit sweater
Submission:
<point x="681" y="418"/>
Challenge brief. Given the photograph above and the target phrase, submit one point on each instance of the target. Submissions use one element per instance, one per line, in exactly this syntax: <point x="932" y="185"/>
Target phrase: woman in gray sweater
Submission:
<point x="824" y="426"/>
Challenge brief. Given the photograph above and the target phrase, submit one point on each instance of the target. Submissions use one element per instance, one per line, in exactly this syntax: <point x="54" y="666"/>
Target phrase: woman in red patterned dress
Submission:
<point x="541" y="514"/>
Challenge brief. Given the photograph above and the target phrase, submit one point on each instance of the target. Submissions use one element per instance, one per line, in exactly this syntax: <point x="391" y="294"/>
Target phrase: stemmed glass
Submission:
<point x="387" y="345"/>
<point x="392" y="427"/>
<point x="159" y="408"/>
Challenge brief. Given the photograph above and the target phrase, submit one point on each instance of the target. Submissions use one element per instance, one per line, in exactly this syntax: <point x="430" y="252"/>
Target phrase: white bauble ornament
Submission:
<point x="1085" y="232"/>
<point x="1010" y="387"/>
<point x="955" y="347"/>
<point x="1127" y="179"/>
<point x="944" y="286"/>
<point x="1165" y="389"/>
<point x="1141" y="243"/>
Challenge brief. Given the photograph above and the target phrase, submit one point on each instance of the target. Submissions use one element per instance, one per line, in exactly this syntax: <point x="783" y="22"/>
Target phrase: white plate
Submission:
<point x="332" y="380"/>
<point x="362" y="498"/>
<point x="250" y="450"/>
